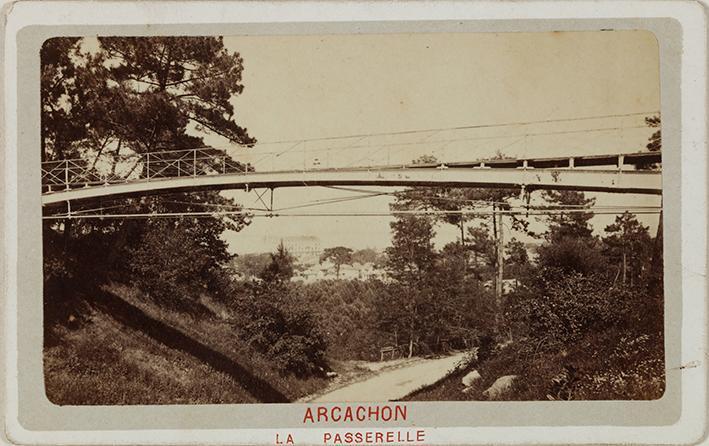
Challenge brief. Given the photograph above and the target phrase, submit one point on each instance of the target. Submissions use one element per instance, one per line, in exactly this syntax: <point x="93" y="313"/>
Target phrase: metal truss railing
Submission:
<point x="73" y="173"/>
<point x="111" y="169"/>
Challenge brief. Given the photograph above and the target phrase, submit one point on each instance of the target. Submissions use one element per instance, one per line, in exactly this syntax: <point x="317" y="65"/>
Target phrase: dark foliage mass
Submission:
<point x="121" y="96"/>
<point x="278" y="320"/>
<point x="347" y="312"/>
<point x="113" y="97"/>
<point x="585" y="321"/>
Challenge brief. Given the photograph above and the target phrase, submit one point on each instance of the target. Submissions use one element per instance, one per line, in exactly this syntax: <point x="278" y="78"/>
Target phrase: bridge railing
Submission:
<point x="112" y="169"/>
<point x="73" y="173"/>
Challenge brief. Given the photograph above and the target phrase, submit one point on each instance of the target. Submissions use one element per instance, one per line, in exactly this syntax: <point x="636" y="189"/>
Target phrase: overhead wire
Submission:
<point x="334" y="201"/>
<point x="363" y="194"/>
<point x="465" y="127"/>
<point x="348" y="214"/>
<point x="297" y="142"/>
<point x="448" y="141"/>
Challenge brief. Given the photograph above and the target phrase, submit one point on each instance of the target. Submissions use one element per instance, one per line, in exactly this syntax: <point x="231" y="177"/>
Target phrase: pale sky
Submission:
<point x="304" y="87"/>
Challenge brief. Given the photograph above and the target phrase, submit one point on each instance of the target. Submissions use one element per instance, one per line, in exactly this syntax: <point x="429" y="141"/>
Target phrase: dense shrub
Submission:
<point x="174" y="262"/>
<point x="346" y="311"/>
<point x="561" y="308"/>
<point x="572" y="255"/>
<point x="278" y="322"/>
<point x="359" y="317"/>
<point x="581" y="337"/>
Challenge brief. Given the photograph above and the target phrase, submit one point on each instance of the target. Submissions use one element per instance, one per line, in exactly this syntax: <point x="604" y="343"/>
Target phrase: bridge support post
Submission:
<point x="571" y="163"/>
<point x="621" y="161"/>
<point x="66" y="174"/>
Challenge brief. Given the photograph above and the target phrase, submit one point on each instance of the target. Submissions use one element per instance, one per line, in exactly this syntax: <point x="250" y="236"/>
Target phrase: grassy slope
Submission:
<point x="610" y="366"/>
<point x="131" y="351"/>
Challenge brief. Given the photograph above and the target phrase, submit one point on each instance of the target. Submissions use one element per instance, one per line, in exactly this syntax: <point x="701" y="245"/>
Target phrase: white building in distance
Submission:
<point x="305" y="248"/>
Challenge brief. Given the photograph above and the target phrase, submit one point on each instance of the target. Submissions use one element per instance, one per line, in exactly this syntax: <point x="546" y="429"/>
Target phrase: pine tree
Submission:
<point x="411" y="262"/>
<point x="569" y="220"/>
<point x="340" y="255"/>
<point x="131" y="95"/>
<point x="628" y="244"/>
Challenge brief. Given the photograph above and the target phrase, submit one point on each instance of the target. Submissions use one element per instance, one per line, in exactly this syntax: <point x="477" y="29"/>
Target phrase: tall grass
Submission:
<point x="104" y="361"/>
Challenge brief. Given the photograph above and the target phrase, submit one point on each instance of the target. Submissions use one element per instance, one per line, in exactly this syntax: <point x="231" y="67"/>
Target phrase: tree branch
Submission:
<point x="192" y="79"/>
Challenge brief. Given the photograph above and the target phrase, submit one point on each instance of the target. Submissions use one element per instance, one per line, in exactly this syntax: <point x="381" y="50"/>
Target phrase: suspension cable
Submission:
<point x="212" y="214"/>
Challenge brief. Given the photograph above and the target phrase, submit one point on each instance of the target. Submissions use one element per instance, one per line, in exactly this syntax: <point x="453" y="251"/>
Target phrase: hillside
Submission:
<point x="612" y="365"/>
<point x="128" y="350"/>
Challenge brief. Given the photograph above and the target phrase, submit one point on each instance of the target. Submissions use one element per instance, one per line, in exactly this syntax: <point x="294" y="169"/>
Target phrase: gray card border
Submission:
<point x="36" y="413"/>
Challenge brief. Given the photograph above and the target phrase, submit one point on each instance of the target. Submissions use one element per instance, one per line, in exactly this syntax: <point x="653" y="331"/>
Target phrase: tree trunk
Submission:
<point x="115" y="157"/>
<point x="615" y="279"/>
<point x="412" y="331"/>
<point x="462" y="244"/>
<point x="494" y="221"/>
<point x="655" y="280"/>
<point x="625" y="266"/>
<point x="66" y="235"/>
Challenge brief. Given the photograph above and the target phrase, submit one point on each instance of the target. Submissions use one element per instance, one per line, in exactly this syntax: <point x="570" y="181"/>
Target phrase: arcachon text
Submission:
<point x="324" y="414"/>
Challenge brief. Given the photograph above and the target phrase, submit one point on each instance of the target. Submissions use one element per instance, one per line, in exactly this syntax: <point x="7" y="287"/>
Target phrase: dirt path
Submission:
<point x="392" y="384"/>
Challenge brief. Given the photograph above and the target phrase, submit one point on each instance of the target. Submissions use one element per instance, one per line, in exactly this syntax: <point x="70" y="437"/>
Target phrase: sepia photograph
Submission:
<point x="352" y="218"/>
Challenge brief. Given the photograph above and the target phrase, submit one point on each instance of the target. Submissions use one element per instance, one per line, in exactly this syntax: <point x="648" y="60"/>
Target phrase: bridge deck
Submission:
<point x="620" y="181"/>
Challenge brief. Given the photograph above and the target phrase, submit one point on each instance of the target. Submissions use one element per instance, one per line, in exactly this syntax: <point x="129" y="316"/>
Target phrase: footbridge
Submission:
<point x="212" y="169"/>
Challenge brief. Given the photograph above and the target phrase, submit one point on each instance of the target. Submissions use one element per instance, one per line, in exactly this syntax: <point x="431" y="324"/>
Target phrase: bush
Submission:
<point x="621" y="365"/>
<point x="171" y="265"/>
<point x="346" y="310"/>
<point x="572" y="255"/>
<point x="580" y="337"/>
<point x="562" y="308"/>
<point x="278" y="322"/>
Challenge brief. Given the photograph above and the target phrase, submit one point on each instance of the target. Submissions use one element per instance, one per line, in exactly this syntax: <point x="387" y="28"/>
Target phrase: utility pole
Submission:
<point x="499" y="273"/>
<point x="656" y="268"/>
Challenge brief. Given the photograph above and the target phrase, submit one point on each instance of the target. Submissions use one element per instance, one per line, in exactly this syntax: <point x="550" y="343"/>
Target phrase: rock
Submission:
<point x="331" y="374"/>
<point x="470" y="378"/>
<point x="472" y="354"/>
<point x="467" y="390"/>
<point x="500" y="386"/>
<point x="470" y="357"/>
